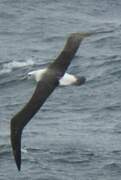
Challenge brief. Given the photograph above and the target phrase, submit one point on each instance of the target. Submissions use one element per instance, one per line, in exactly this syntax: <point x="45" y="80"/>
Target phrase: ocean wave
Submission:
<point x="4" y="150"/>
<point x="113" y="168"/>
<point x="10" y="66"/>
<point x="117" y="128"/>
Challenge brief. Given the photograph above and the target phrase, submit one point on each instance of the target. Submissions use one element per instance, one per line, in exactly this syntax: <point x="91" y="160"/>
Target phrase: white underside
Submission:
<point x="66" y="80"/>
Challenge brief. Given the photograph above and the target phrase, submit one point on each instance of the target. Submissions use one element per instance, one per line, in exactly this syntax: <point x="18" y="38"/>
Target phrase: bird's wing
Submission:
<point x="44" y="88"/>
<point x="64" y="59"/>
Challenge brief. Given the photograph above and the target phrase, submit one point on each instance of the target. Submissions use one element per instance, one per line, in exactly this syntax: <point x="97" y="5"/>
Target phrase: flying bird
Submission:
<point x="47" y="80"/>
<point x="66" y="80"/>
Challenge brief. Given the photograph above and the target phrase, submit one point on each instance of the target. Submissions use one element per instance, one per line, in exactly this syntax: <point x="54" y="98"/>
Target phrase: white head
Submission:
<point x="36" y="75"/>
<point x="32" y="75"/>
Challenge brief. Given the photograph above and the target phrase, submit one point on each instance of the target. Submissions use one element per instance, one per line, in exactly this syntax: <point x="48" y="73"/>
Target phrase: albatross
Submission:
<point x="66" y="80"/>
<point x="47" y="80"/>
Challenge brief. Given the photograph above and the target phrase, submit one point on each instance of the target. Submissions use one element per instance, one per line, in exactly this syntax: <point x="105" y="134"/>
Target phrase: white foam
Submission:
<point x="8" y="67"/>
<point x="24" y="150"/>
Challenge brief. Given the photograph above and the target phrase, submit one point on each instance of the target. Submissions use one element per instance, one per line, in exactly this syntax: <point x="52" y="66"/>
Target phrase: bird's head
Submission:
<point x="31" y="75"/>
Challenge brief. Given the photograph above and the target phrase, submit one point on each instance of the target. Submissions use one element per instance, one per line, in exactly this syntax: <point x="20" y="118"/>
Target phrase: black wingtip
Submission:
<point x="16" y="145"/>
<point x="18" y="160"/>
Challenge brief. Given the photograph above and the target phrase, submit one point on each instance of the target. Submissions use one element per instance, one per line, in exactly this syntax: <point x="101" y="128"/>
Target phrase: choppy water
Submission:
<point x="77" y="133"/>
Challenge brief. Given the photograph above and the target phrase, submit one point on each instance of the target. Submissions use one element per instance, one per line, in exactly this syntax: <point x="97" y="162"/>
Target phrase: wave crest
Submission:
<point x="10" y="66"/>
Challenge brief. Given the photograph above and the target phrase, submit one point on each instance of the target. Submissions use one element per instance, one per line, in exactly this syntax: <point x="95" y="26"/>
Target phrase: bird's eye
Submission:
<point x="29" y="76"/>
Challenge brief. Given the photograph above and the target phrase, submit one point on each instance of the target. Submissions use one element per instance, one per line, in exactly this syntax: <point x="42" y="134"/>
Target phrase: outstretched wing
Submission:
<point x="44" y="88"/>
<point x="64" y="59"/>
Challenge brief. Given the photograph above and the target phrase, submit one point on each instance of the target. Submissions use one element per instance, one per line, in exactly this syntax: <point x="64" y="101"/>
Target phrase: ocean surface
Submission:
<point x="76" y="135"/>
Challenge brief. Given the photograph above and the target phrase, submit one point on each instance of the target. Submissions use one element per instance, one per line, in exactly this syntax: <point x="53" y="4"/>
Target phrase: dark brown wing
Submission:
<point x="64" y="59"/>
<point x="44" y="88"/>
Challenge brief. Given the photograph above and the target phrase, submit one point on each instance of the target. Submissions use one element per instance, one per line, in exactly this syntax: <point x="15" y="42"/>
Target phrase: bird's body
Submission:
<point x="48" y="79"/>
<point x="66" y="80"/>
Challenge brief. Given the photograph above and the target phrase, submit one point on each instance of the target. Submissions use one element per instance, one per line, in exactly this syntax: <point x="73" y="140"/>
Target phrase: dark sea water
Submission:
<point x="77" y="133"/>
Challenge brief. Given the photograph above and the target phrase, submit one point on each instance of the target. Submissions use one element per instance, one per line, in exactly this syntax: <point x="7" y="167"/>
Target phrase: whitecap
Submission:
<point x="24" y="150"/>
<point x="10" y="66"/>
